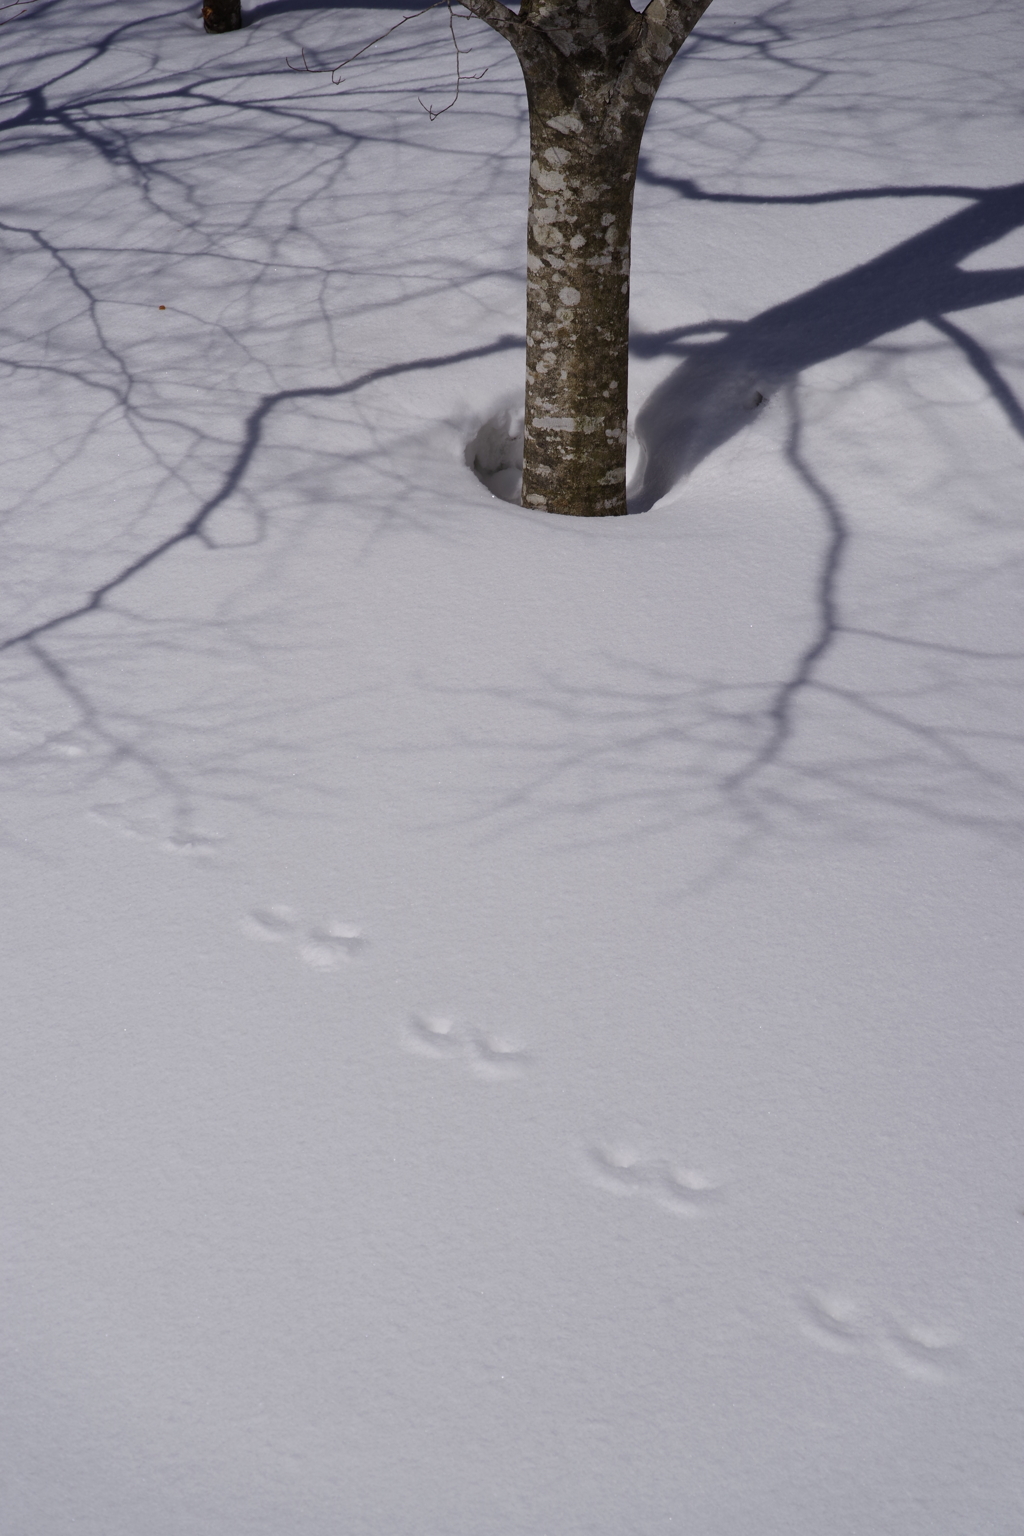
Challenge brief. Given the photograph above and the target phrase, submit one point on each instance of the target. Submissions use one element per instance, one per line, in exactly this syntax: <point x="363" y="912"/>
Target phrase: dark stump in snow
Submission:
<point x="222" y="15"/>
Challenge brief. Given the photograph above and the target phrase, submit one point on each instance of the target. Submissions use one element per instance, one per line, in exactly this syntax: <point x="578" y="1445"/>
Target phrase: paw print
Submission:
<point x="322" y="947"/>
<point x="846" y="1325"/>
<point x="486" y="1056"/>
<point x="622" y="1171"/>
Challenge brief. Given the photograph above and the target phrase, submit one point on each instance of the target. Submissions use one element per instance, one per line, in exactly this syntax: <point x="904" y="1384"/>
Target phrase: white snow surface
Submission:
<point x="512" y="1024"/>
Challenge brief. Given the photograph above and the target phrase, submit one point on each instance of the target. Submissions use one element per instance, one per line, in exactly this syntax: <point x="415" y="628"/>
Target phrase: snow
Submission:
<point x="513" y="1024"/>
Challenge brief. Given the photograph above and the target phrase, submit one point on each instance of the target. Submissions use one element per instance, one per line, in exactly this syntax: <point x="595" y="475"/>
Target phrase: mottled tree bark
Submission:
<point x="592" y="68"/>
<point x="222" y="15"/>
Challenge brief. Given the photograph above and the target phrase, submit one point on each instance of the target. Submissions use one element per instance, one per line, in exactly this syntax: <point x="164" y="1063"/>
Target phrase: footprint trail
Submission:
<point x="621" y="1171"/>
<point x="486" y="1056"/>
<point x="323" y="947"/>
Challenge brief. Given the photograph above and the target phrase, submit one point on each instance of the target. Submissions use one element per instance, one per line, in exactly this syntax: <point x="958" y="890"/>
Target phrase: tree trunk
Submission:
<point x="577" y="316"/>
<point x="592" y="68"/>
<point x="222" y="15"/>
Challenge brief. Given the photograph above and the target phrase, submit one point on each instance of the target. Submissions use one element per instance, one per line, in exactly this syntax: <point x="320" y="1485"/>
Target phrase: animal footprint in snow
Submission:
<point x="834" y="1321"/>
<point x="925" y="1353"/>
<point x="683" y="1189"/>
<point x="200" y="845"/>
<point x="70" y="746"/>
<point x="321" y="947"/>
<point x="273" y="925"/>
<point x="494" y="1058"/>
<point x="619" y="1170"/>
<point x="845" y="1325"/>
<point x="624" y="1172"/>
<point x="182" y="839"/>
<point x="432" y="1035"/>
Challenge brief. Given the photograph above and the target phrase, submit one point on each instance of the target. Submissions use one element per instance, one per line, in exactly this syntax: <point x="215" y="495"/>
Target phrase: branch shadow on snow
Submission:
<point x="161" y="399"/>
<point x="873" y="726"/>
<point x="711" y="396"/>
<point x="628" y="735"/>
<point x="120" y="735"/>
<point x="196" y="527"/>
<point x="287" y="7"/>
<point x="870" y="720"/>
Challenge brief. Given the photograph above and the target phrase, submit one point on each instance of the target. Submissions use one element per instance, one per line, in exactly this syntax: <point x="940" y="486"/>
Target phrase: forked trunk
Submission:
<point x="592" y="68"/>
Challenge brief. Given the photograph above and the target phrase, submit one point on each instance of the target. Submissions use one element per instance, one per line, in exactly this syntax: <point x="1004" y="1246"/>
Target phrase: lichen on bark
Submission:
<point x="577" y="317"/>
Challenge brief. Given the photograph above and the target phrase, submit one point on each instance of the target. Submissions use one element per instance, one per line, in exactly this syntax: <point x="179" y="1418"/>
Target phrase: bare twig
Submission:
<point x="433" y="113"/>
<point x="19" y="7"/>
<point x="333" y="70"/>
<point x="337" y="78"/>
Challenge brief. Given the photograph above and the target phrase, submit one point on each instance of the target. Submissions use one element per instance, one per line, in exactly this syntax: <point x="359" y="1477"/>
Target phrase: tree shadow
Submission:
<point x="716" y="390"/>
<point x="205" y="422"/>
<point x="287" y="7"/>
<point x="872" y="721"/>
<point x="167" y="419"/>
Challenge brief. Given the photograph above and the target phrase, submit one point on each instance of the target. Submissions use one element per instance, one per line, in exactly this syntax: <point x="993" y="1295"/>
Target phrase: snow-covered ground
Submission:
<point x="513" y="1027"/>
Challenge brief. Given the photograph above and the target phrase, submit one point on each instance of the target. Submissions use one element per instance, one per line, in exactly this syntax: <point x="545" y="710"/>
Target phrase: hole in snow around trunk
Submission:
<point x="495" y="454"/>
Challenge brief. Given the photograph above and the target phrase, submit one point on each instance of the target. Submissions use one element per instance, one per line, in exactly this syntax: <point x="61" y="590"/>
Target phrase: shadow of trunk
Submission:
<point x="715" y="392"/>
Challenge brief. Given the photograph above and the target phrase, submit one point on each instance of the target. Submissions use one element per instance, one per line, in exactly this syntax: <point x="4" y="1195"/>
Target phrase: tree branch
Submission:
<point x="665" y="26"/>
<point x="498" y="16"/>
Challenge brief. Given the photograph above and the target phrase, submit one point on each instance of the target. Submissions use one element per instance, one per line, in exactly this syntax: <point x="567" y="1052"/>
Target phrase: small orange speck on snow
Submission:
<point x="163" y="306"/>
